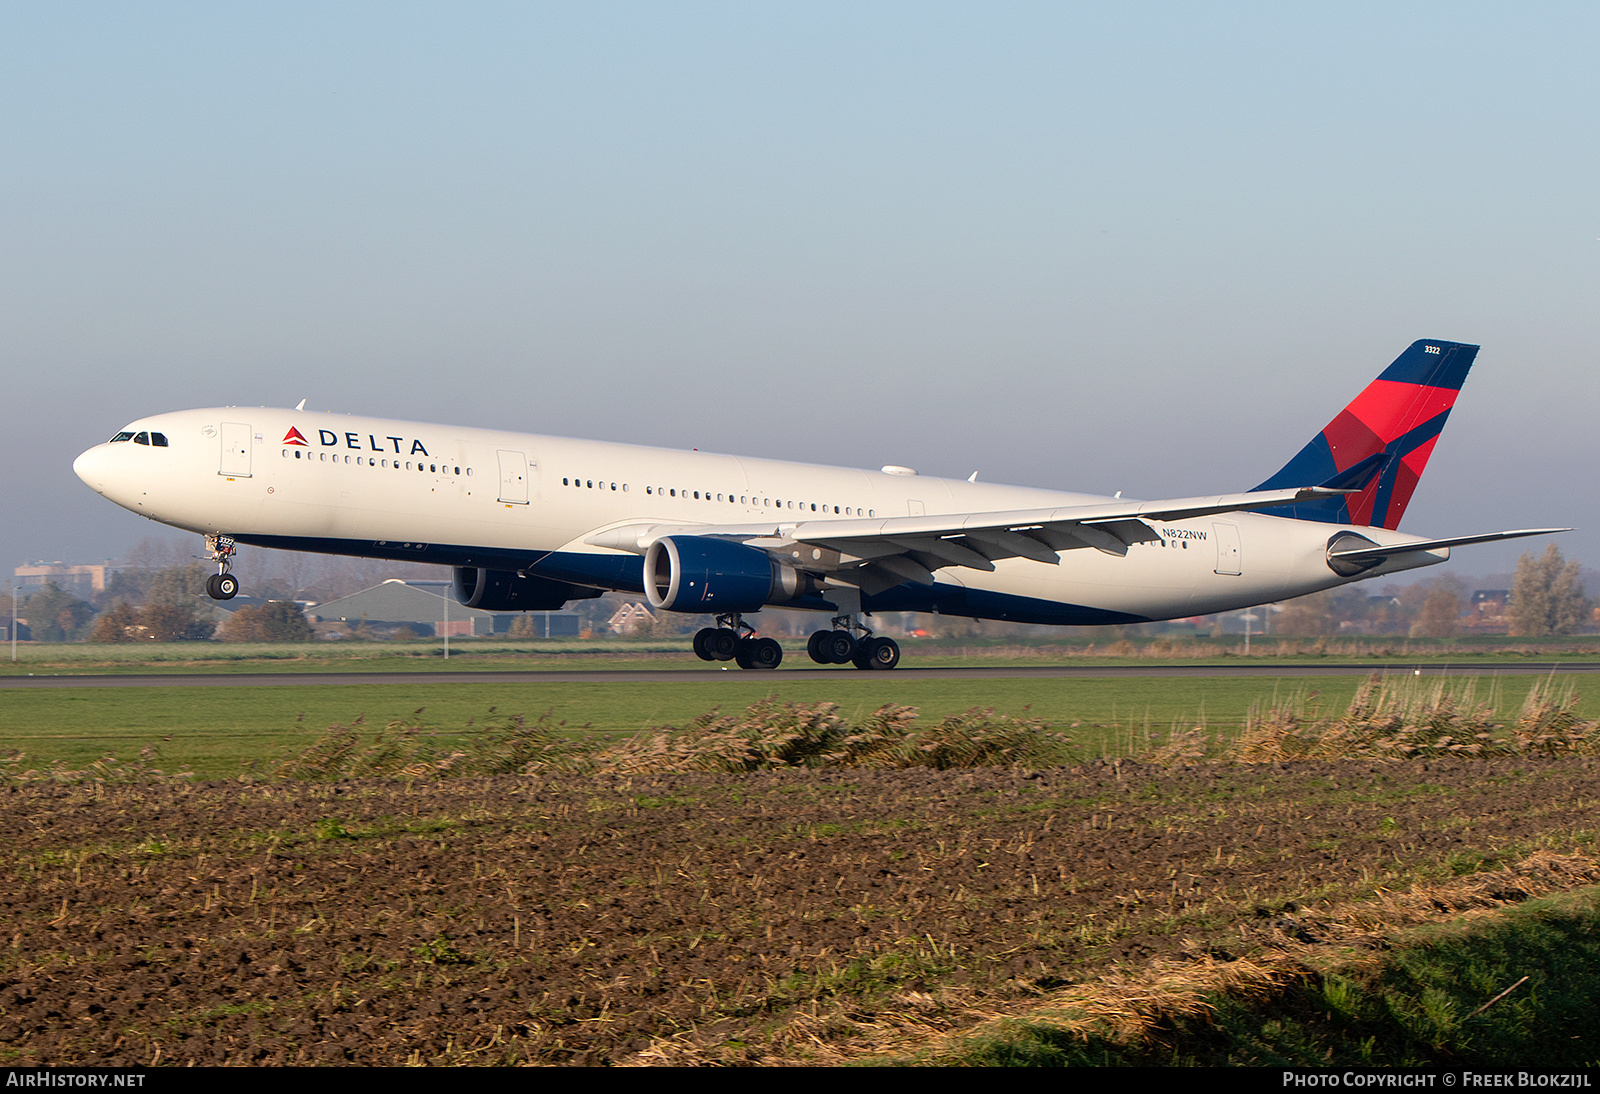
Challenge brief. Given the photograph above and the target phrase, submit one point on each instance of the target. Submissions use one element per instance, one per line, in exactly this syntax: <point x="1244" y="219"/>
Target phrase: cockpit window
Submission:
<point x="121" y="437"/>
<point x="141" y="438"/>
<point x="159" y="440"/>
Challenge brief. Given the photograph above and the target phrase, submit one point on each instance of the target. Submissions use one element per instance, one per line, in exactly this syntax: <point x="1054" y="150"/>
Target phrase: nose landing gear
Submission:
<point x="222" y="585"/>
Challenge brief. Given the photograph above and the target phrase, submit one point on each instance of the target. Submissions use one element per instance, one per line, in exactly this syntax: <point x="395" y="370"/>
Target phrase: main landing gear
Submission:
<point x="840" y="646"/>
<point x="222" y="585"/>
<point x="732" y="639"/>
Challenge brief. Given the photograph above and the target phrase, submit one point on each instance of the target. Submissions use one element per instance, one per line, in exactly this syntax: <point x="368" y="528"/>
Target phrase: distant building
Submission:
<point x="427" y="607"/>
<point x="1487" y="611"/>
<point x="81" y="580"/>
<point x="631" y="618"/>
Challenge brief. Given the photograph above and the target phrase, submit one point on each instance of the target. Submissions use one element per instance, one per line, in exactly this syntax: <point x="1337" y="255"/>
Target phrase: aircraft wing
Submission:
<point x="878" y="553"/>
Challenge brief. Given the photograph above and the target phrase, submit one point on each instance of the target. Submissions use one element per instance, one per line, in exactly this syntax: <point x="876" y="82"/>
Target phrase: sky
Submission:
<point x="1151" y="248"/>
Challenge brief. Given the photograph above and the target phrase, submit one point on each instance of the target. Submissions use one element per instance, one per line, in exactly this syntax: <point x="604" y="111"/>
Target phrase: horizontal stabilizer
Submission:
<point x="1362" y="554"/>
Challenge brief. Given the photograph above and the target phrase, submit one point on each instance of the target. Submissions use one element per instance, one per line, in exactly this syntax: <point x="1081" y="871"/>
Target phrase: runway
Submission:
<point x="700" y="674"/>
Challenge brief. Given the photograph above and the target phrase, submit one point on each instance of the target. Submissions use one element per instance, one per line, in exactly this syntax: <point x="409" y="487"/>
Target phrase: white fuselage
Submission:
<point x="457" y="496"/>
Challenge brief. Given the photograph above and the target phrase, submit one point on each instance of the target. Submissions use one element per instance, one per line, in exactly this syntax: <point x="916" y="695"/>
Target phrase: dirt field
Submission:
<point x="766" y="918"/>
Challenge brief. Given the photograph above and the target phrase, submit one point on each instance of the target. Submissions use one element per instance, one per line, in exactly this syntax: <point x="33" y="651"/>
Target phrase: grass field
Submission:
<point x="212" y="731"/>
<point x="1095" y="913"/>
<point x="506" y="655"/>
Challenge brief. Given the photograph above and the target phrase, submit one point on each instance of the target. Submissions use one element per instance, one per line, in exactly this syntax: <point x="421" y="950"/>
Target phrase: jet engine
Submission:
<point x="702" y="574"/>
<point x="508" y="591"/>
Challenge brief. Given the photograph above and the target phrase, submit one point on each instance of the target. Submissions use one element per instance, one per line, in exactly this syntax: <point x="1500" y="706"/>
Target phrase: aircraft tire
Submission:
<point x="814" y="647"/>
<point x="227" y="587"/>
<point x="723" y="644"/>
<point x="760" y="653"/>
<point x="839" y="646"/>
<point x="877" y="653"/>
<point x="702" y="643"/>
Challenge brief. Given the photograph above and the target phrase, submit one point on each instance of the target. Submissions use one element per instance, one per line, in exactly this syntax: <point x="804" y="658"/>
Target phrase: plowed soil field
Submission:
<point x="764" y="918"/>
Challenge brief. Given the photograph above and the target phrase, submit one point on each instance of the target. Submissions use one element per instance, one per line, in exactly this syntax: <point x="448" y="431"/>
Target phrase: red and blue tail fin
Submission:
<point x="1381" y="442"/>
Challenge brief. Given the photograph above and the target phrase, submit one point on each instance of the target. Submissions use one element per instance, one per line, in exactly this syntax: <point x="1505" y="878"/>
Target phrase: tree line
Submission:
<point x="169" y="604"/>
<point x="165" y="605"/>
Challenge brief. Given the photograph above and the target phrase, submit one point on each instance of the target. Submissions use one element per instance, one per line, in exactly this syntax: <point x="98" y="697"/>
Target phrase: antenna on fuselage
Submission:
<point x="301" y="405"/>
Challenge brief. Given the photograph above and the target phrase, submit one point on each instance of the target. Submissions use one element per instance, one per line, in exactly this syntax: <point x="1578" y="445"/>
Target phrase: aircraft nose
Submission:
<point x="91" y="468"/>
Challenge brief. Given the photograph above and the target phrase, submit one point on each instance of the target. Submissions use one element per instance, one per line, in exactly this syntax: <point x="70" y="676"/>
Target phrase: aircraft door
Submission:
<point x="513" y="477"/>
<point x="1228" y="560"/>
<point x="235" y="451"/>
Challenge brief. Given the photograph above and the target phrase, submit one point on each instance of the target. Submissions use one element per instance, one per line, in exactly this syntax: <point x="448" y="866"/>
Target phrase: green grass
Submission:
<point x="509" y="655"/>
<point x="1416" y="1009"/>
<point x="212" y="731"/>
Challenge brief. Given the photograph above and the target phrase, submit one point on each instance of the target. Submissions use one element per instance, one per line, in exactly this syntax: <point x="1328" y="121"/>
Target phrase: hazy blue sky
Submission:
<point x="1139" y="247"/>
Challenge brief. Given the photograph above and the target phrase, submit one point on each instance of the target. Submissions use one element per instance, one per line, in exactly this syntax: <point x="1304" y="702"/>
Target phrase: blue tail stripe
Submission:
<point x="1432" y="364"/>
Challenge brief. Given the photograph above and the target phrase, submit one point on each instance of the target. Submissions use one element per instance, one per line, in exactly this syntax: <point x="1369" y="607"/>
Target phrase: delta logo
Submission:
<point x="329" y="439"/>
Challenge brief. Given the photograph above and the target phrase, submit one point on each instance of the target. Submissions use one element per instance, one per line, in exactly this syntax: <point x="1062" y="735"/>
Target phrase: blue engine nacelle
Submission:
<point x="701" y="574"/>
<point x="508" y="591"/>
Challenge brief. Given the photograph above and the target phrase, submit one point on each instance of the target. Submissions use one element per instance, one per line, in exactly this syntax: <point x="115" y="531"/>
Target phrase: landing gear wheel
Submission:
<point x="877" y="653"/>
<point x="723" y="644"/>
<point x="839" y="646"/>
<point x="816" y="649"/>
<point x="759" y="653"/>
<point x="702" y="643"/>
<point x="222" y="586"/>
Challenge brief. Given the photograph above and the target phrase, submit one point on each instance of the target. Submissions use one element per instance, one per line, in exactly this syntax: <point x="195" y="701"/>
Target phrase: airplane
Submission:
<point x="531" y="523"/>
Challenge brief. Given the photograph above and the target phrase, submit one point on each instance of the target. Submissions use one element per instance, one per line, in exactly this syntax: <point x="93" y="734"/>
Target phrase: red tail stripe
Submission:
<point x="1392" y="409"/>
